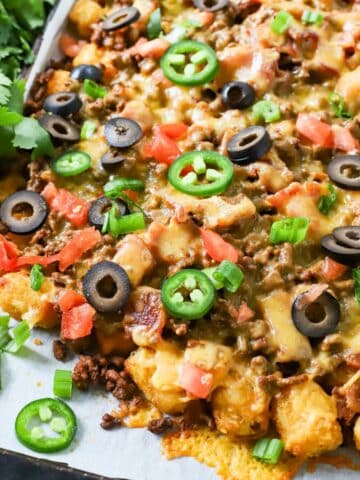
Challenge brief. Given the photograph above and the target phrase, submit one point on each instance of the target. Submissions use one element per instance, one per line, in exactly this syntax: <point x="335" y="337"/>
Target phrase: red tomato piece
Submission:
<point x="70" y="206"/>
<point x="10" y="247"/>
<point x="69" y="299"/>
<point x="318" y="132"/>
<point x="174" y="130"/>
<point x="77" y="322"/>
<point x="332" y="270"/>
<point x="217" y="248"/>
<point x="163" y="148"/>
<point x="32" y="259"/>
<point x="343" y="140"/>
<point x="196" y="381"/>
<point x="153" y="48"/>
<point x="78" y="245"/>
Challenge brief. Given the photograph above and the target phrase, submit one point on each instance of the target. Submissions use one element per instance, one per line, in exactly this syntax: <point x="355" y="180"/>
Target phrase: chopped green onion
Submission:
<point x="230" y="275"/>
<point x="4" y="337"/>
<point x="291" y="230"/>
<point x="115" y="187"/>
<point x="125" y="224"/>
<point x="62" y="386"/>
<point x="4" y="321"/>
<point x="94" y="90"/>
<point x="87" y="130"/>
<point x="266" y="110"/>
<point x="312" y="18"/>
<point x="209" y="272"/>
<point x="337" y="103"/>
<point x="356" y="278"/>
<point x="45" y="413"/>
<point x="153" y="27"/>
<point x="191" y="23"/>
<point x="281" y="22"/>
<point x="105" y="226"/>
<point x="36" y="277"/>
<point x="20" y="334"/>
<point x="268" y="450"/>
<point x="327" y="201"/>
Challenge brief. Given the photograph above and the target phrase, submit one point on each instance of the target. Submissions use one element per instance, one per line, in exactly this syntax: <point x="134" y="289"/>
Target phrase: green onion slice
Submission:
<point x="125" y="224"/>
<point x="114" y="188"/>
<point x="62" y="386"/>
<point x="312" y="18"/>
<point x="291" y="230"/>
<point x="327" y="201"/>
<point x="230" y="275"/>
<point x="268" y="450"/>
<point x="209" y="272"/>
<point x="337" y="103"/>
<point x="94" y="90"/>
<point x="87" y="130"/>
<point x="266" y="110"/>
<point x="4" y="321"/>
<point x="356" y="278"/>
<point x="281" y="22"/>
<point x="36" y="277"/>
<point x="20" y="334"/>
<point x="153" y="28"/>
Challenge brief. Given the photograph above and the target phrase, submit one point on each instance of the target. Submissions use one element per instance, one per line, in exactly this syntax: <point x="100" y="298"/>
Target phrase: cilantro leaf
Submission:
<point x="327" y="201"/>
<point x="30" y="135"/>
<point x="16" y="102"/>
<point x="8" y="118"/>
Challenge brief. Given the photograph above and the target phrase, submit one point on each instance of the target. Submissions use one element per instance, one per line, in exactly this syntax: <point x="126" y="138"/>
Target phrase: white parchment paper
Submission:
<point x="133" y="454"/>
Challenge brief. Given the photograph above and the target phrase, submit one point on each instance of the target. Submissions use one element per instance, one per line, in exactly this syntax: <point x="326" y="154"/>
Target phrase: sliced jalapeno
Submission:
<point x="211" y="173"/>
<point x="189" y="63"/>
<point x="188" y="295"/>
<point x="60" y="419"/>
<point x="71" y="163"/>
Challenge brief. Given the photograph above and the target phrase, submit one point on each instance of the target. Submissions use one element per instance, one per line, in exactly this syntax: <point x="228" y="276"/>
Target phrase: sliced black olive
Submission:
<point x="90" y="72"/>
<point x="121" y="18"/>
<point x="340" y="253"/>
<point x="110" y="159"/>
<point x="210" y="5"/>
<point x="122" y="132"/>
<point x="59" y="128"/>
<point x="63" y="103"/>
<point x="248" y="145"/>
<point x="317" y="319"/>
<point x="344" y="171"/>
<point x="106" y="287"/>
<point x="238" y="95"/>
<point x="23" y="212"/>
<point x="100" y="206"/>
<point x="348" y="236"/>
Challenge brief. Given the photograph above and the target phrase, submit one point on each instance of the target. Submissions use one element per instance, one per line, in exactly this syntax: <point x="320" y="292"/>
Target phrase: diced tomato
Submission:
<point x="77" y="322"/>
<point x="7" y="264"/>
<point x="174" y="130"/>
<point x="70" y="206"/>
<point x="162" y="148"/>
<point x="245" y="313"/>
<point x="82" y="241"/>
<point x="153" y="48"/>
<point x="318" y="132"/>
<point x="32" y="259"/>
<point x="131" y="194"/>
<point x="69" y="45"/>
<point x="332" y="270"/>
<point x="10" y="247"/>
<point x="343" y="140"/>
<point x="196" y="381"/>
<point x="69" y="299"/>
<point x="282" y="197"/>
<point x="217" y="248"/>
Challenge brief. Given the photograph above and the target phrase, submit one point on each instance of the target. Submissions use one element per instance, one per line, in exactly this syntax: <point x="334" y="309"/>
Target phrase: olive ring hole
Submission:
<point x="22" y="210"/>
<point x="248" y="139"/>
<point x="350" y="171"/>
<point x="315" y="312"/>
<point x="60" y="128"/>
<point x="106" y="287"/>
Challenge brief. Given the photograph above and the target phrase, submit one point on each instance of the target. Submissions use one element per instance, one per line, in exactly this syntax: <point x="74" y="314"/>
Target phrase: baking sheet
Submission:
<point x="122" y="453"/>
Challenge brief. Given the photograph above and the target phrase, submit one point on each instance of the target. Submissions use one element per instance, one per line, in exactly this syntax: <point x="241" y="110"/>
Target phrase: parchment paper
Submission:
<point x="133" y="454"/>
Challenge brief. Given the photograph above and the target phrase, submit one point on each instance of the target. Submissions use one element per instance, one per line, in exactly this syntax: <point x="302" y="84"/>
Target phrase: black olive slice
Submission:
<point x="238" y="95"/>
<point x="59" y="128"/>
<point x="344" y="171"/>
<point x="100" y="206"/>
<point x="348" y="236"/>
<point x="210" y="5"/>
<point x="122" y="132"/>
<point x="106" y="287"/>
<point x="110" y="159"/>
<point x="63" y="103"/>
<point x="340" y="253"/>
<point x="90" y="72"/>
<point x="248" y="145"/>
<point x="24" y="212"/>
<point x="317" y="319"/>
<point x="121" y="18"/>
